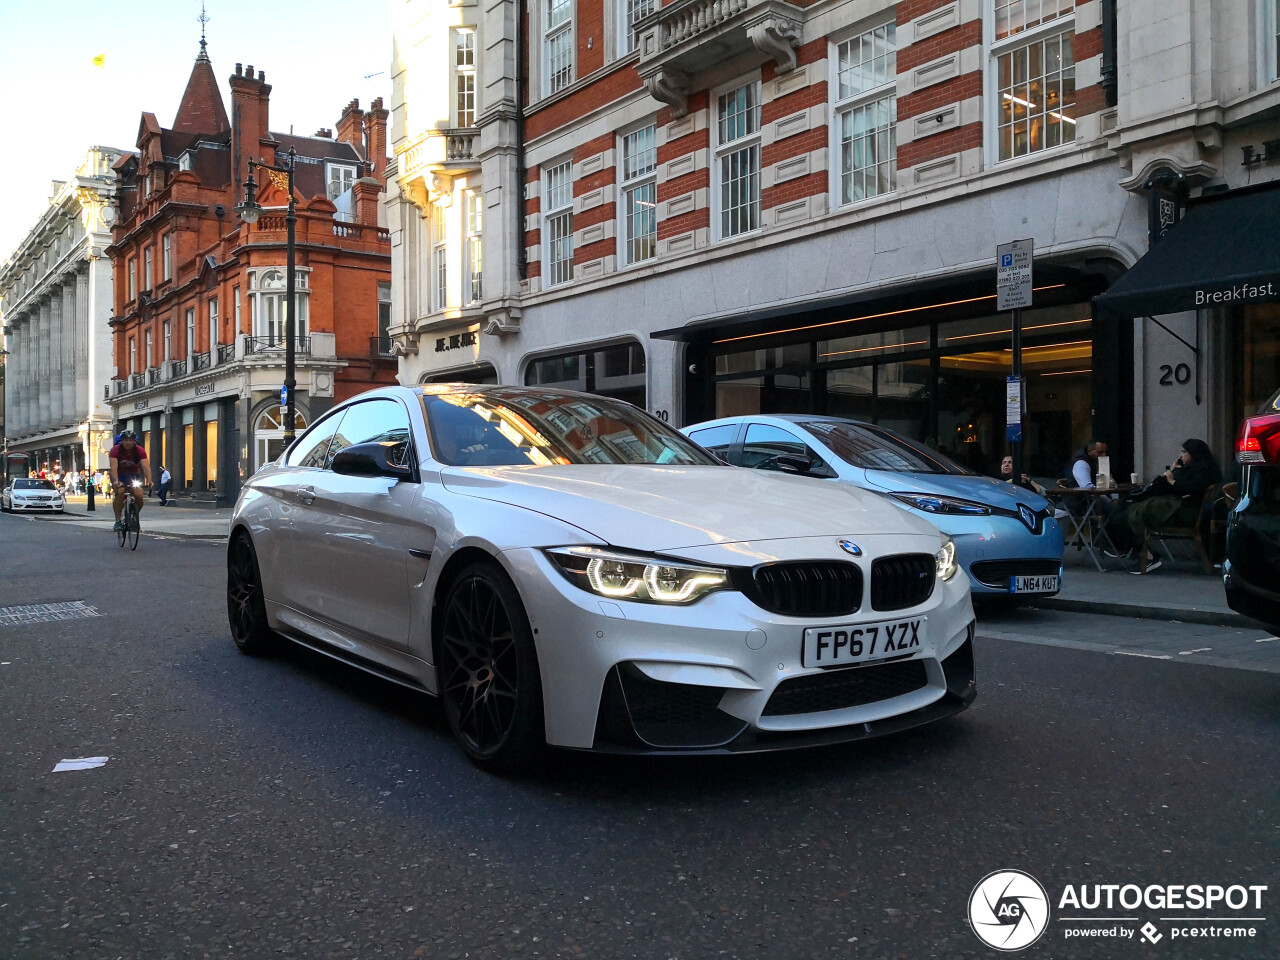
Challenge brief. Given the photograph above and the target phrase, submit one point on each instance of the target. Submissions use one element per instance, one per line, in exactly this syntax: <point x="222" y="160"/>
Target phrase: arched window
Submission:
<point x="268" y="434"/>
<point x="268" y="301"/>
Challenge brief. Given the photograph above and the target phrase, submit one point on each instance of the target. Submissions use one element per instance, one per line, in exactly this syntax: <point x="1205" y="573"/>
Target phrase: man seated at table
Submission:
<point x="1083" y="470"/>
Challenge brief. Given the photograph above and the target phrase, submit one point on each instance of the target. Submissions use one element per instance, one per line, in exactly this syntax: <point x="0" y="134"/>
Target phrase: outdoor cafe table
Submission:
<point x="1088" y="519"/>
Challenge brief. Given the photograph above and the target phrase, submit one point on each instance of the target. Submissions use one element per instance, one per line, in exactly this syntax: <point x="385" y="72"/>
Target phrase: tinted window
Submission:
<point x="33" y="485"/>
<point x="313" y="447"/>
<point x="765" y="443"/>
<point x="716" y="439"/>
<point x="875" y="448"/>
<point x="374" y="421"/>
<point x="542" y="428"/>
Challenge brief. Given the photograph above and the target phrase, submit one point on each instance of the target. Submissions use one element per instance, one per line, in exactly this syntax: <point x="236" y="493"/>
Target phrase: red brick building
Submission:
<point x="199" y="304"/>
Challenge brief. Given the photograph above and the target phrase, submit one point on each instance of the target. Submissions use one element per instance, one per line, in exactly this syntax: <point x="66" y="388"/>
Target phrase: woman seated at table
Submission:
<point x="1172" y="499"/>
<point x="1006" y="474"/>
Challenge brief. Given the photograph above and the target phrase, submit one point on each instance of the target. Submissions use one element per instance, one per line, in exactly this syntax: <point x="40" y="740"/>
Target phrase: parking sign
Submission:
<point x="1013" y="274"/>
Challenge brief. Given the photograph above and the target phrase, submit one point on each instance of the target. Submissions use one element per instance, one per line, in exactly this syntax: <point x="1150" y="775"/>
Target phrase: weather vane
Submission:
<point x="203" y="18"/>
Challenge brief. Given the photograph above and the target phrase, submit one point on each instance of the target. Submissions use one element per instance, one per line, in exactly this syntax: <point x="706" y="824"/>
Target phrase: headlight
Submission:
<point x="931" y="503"/>
<point x="631" y="577"/>
<point x="946" y="558"/>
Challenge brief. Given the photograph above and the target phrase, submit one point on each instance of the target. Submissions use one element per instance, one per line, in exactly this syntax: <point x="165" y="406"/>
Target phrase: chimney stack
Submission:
<point x="375" y="132"/>
<point x="250" y="123"/>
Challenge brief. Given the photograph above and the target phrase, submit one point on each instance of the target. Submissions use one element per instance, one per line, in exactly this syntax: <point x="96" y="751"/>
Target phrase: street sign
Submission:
<point x="284" y="396"/>
<point x="1013" y="274"/>
<point x="1013" y="409"/>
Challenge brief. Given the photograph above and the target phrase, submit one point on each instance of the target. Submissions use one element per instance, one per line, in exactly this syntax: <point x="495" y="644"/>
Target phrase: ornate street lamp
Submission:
<point x="249" y="212"/>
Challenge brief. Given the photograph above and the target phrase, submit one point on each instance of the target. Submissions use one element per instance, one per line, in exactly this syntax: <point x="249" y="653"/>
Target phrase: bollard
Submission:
<point x="90" y="506"/>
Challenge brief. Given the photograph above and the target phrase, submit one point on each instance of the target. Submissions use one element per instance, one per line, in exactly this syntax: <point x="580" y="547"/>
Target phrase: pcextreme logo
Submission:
<point x="1009" y="910"/>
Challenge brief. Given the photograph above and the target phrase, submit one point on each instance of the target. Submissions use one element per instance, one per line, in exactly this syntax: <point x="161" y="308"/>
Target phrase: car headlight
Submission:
<point x="946" y="558"/>
<point x="624" y="576"/>
<point x="933" y="503"/>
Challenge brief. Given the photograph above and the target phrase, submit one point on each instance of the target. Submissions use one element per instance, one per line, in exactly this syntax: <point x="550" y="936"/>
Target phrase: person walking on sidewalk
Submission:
<point x="165" y="482"/>
<point x="129" y="470"/>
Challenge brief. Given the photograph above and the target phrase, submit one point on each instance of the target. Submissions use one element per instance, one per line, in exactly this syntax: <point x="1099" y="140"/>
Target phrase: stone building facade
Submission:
<point x="726" y="206"/>
<point x="198" y="325"/>
<point x="55" y="300"/>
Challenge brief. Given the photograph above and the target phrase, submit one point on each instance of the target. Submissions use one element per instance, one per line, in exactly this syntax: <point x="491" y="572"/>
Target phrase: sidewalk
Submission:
<point x="1177" y="591"/>
<point x="182" y="522"/>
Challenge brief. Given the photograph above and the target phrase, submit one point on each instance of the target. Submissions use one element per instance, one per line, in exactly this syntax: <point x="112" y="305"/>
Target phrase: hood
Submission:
<point x="985" y="490"/>
<point x="660" y="508"/>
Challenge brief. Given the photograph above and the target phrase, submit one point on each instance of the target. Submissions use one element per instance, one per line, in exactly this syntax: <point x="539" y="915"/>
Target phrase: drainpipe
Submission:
<point x="522" y="266"/>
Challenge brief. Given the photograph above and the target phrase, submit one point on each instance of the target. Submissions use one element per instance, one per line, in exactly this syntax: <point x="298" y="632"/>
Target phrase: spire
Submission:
<point x="202" y="110"/>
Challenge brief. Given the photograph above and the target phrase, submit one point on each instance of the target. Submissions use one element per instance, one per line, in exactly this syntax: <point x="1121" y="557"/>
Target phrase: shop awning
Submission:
<point x="1224" y="251"/>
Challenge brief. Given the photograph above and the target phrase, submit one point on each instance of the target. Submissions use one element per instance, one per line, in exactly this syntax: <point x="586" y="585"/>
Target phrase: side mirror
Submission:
<point x="372" y="460"/>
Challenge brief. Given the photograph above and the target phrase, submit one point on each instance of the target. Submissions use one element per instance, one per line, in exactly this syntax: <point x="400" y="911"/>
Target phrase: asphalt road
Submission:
<point x="293" y="808"/>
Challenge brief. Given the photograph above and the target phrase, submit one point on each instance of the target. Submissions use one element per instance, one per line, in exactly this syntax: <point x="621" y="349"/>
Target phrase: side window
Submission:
<point x="312" y="449"/>
<point x="766" y="443"/>
<point x="716" y="439"/>
<point x="374" y="421"/>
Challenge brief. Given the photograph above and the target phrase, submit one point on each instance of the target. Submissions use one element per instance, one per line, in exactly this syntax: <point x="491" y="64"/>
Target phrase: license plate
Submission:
<point x="1047" y="584"/>
<point x="844" y="644"/>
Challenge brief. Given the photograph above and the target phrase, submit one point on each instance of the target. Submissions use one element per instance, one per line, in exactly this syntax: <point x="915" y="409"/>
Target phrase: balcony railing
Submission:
<point x="263" y="345"/>
<point x="153" y="375"/>
<point x="691" y="36"/>
<point x="226" y="352"/>
<point x="179" y="369"/>
<point x="202" y="361"/>
<point x="380" y="346"/>
<point x="136" y="381"/>
<point x="452" y="149"/>
<point x="354" y="231"/>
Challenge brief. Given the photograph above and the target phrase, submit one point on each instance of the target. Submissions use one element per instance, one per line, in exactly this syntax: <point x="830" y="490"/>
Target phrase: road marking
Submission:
<point x="1149" y="656"/>
<point x="1187" y="653"/>
<point x="45" y="612"/>
<point x="1267" y="640"/>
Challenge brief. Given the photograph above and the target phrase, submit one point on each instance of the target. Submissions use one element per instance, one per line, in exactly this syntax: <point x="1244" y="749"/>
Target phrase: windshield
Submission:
<point x="877" y="448"/>
<point x="534" y="427"/>
<point x="33" y="485"/>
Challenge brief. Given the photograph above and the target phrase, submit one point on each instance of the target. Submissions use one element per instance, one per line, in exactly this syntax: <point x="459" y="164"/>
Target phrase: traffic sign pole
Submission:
<point x="1013" y="292"/>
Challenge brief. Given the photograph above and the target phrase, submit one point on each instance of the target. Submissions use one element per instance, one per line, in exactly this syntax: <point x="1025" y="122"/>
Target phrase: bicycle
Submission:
<point x="129" y="525"/>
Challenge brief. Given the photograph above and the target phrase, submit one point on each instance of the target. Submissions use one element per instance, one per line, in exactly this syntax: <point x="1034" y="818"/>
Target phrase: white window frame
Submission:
<point x="235" y="313"/>
<point x="1268" y="45"/>
<point x="191" y="338"/>
<point x="133" y="346"/>
<point x="1065" y="24"/>
<point x="213" y="324"/>
<point x="630" y="182"/>
<point x="555" y="31"/>
<point x="722" y="149"/>
<point x="147" y="264"/>
<point x="627" y="15"/>
<point x="440" y="259"/>
<point x="557" y="209"/>
<point x="472" y="246"/>
<point x="338" y="175"/>
<point x="168" y="340"/>
<point x="464" y="83"/>
<point x="166" y="256"/>
<point x="150" y="348"/>
<point x="132" y="268"/>
<point x="268" y="304"/>
<point x="862" y="100"/>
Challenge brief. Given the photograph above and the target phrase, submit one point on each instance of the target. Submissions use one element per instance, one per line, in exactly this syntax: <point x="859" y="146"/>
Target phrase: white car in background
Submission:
<point x="561" y="568"/>
<point x="26" y="495"/>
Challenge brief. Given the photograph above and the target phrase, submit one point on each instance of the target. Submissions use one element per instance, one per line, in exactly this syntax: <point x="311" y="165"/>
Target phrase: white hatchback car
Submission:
<point x="565" y="569"/>
<point x="31" y="495"/>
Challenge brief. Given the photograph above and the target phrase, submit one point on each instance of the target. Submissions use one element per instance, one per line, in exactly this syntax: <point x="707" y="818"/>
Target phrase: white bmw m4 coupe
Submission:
<point x="564" y="569"/>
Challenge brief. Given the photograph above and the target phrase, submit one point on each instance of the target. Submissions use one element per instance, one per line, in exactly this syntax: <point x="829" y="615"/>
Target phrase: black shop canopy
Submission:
<point x="1225" y="251"/>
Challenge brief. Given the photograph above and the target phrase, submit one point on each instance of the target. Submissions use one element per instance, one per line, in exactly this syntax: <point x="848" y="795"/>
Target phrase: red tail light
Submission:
<point x="1259" y="440"/>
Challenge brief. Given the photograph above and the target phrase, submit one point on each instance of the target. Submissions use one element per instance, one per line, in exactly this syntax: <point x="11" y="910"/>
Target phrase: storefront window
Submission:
<point x="614" y="371"/>
<point x="1259" y="357"/>
<point x="211" y="455"/>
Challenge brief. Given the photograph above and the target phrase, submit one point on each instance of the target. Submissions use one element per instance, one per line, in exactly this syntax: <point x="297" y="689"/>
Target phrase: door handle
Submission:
<point x="307" y="494"/>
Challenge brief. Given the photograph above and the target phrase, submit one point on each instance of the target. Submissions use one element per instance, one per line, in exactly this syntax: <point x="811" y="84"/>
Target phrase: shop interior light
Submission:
<point x="1018" y="100"/>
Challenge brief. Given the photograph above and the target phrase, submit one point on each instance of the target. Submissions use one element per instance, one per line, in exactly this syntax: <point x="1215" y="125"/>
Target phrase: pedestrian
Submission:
<point x="1171" y="499"/>
<point x="165" y="481"/>
<point x="1006" y="474"/>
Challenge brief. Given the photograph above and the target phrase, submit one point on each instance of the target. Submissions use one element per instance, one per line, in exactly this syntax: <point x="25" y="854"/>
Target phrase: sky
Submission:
<point x="318" y="55"/>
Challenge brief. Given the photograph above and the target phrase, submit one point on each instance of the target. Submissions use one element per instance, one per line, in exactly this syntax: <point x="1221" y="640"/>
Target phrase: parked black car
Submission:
<point x="1251" y="573"/>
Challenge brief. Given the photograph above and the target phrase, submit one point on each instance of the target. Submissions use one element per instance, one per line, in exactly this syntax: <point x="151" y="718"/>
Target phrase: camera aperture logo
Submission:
<point x="1009" y="910"/>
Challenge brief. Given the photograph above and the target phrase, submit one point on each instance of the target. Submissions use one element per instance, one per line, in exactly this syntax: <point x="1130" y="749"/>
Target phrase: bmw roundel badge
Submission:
<point x="851" y="548"/>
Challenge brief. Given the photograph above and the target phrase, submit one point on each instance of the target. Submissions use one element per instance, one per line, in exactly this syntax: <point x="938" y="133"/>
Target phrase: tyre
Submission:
<point x="489" y="681"/>
<point x="246" y="608"/>
<point x="134" y="529"/>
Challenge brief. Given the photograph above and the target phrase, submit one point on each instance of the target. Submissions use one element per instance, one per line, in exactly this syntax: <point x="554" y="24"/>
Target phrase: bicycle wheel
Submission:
<point x="134" y="529"/>
<point x="123" y="532"/>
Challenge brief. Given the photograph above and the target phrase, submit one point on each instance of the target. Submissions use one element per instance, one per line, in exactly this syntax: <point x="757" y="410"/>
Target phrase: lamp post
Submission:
<point x="249" y="212"/>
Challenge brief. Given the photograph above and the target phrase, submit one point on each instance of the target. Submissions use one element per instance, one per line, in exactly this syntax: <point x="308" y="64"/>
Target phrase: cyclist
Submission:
<point x="129" y="468"/>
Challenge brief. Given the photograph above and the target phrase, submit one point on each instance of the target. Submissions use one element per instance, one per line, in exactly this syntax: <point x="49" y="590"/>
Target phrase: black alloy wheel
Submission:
<point x="246" y="608"/>
<point x="488" y="671"/>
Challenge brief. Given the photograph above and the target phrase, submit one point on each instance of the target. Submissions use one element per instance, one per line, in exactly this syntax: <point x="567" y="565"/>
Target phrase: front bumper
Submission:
<point x="991" y="550"/>
<point x="725" y="676"/>
<point x="36" y="506"/>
